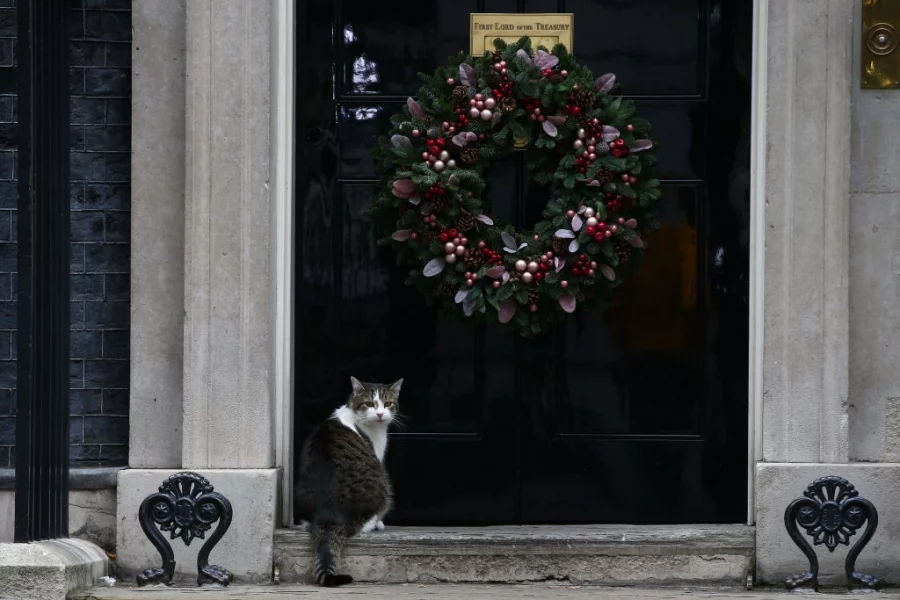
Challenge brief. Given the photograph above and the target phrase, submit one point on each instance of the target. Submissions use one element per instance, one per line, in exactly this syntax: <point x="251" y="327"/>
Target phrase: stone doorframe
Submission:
<point x="212" y="254"/>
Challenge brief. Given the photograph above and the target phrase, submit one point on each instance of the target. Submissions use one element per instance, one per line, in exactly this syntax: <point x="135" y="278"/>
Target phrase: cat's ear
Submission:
<point x="357" y="386"/>
<point x="395" y="387"/>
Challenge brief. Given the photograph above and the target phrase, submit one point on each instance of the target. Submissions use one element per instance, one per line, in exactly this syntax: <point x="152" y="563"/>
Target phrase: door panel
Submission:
<point x="637" y="415"/>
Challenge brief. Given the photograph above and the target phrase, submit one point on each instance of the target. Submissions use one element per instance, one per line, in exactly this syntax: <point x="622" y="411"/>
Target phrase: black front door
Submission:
<point x="634" y="416"/>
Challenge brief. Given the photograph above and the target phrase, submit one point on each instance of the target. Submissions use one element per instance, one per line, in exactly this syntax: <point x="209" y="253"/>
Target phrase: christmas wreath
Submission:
<point x="432" y="202"/>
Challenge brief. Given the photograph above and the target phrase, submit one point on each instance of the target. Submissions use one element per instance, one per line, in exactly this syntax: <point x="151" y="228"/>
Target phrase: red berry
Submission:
<point x="590" y="230"/>
<point x="444" y="237"/>
<point x="576" y="110"/>
<point x="543" y="267"/>
<point x="576" y="271"/>
<point x="599" y="236"/>
<point x="538" y="276"/>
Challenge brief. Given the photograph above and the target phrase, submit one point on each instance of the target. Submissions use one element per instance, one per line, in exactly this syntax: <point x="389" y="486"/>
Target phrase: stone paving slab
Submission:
<point x="455" y="592"/>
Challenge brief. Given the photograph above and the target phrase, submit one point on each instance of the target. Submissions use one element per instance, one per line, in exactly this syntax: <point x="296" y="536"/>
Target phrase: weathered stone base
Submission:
<point x="92" y="515"/>
<point x="609" y="555"/>
<point x="49" y="570"/>
<point x="777" y="557"/>
<point x="246" y="549"/>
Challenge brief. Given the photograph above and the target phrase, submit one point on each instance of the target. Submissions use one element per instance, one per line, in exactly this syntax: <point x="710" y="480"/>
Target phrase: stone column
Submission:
<point x="807" y="188"/>
<point x="228" y="413"/>
<point x="157" y="235"/>
<point x="812" y="84"/>
<point x="218" y="366"/>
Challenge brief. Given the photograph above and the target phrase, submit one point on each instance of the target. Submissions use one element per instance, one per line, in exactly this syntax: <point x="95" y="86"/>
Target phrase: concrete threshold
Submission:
<point x="447" y="592"/>
<point x="575" y="554"/>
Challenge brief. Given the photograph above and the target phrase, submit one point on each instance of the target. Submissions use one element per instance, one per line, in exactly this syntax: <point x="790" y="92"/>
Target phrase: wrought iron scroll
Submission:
<point x="831" y="511"/>
<point x="186" y="506"/>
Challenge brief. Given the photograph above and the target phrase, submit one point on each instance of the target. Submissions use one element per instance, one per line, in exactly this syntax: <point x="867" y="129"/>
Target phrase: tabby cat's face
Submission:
<point x="375" y="402"/>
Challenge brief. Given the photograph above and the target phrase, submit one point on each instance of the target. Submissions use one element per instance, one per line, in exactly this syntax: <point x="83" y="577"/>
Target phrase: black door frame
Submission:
<point x="757" y="140"/>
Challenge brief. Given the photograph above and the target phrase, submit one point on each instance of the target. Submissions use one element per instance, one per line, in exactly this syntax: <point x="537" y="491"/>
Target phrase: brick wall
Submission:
<point x="8" y="253"/>
<point x="100" y="80"/>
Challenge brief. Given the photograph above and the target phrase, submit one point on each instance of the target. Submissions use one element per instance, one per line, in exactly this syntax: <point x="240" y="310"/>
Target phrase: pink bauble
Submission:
<point x="450" y="81"/>
<point x="534" y="308"/>
<point x="460" y="250"/>
<point x="474" y="112"/>
<point x="527" y="277"/>
<point x="521" y="265"/>
<point x="486" y="115"/>
<point x="450" y="258"/>
<point x="449" y="247"/>
<point x="563" y="284"/>
<point x="496" y="285"/>
<point x="490" y="103"/>
<point x="416" y="133"/>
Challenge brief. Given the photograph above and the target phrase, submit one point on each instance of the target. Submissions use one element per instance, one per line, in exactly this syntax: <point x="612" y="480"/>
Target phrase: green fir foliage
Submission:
<point x="422" y="205"/>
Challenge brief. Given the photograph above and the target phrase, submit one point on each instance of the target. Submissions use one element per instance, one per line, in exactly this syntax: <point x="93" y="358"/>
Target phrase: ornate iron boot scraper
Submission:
<point x="186" y="506"/>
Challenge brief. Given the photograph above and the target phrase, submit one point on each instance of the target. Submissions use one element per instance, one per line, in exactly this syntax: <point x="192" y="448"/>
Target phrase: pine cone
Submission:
<point x="492" y="78"/>
<point x="584" y="99"/>
<point x="559" y="246"/>
<point x="533" y="295"/>
<point x="473" y="259"/>
<point x="465" y="222"/>
<point x="623" y="251"/>
<point x="445" y="289"/>
<point x="605" y="174"/>
<point x="508" y="104"/>
<point x="460" y="94"/>
<point x="469" y="155"/>
<point x="439" y="203"/>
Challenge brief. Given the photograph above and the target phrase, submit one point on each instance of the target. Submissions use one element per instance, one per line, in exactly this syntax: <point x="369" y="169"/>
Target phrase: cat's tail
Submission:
<point x="328" y="543"/>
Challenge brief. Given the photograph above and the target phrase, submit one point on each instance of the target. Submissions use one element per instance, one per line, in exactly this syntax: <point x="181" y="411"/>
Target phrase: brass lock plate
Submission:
<point x="880" y="55"/>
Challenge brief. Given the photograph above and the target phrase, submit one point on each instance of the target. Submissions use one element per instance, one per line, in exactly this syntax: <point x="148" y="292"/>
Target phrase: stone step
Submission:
<point x="593" y="554"/>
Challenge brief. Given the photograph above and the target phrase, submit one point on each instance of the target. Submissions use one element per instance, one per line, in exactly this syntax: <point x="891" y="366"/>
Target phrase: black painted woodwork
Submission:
<point x="42" y="424"/>
<point x="635" y="416"/>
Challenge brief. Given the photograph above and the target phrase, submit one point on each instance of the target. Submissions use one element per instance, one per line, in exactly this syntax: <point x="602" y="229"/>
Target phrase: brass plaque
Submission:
<point x="880" y="55"/>
<point x="544" y="29"/>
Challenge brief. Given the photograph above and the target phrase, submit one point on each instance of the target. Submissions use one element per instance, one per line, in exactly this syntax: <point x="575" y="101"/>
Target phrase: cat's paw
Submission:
<point x="369" y="525"/>
<point x="379" y="524"/>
